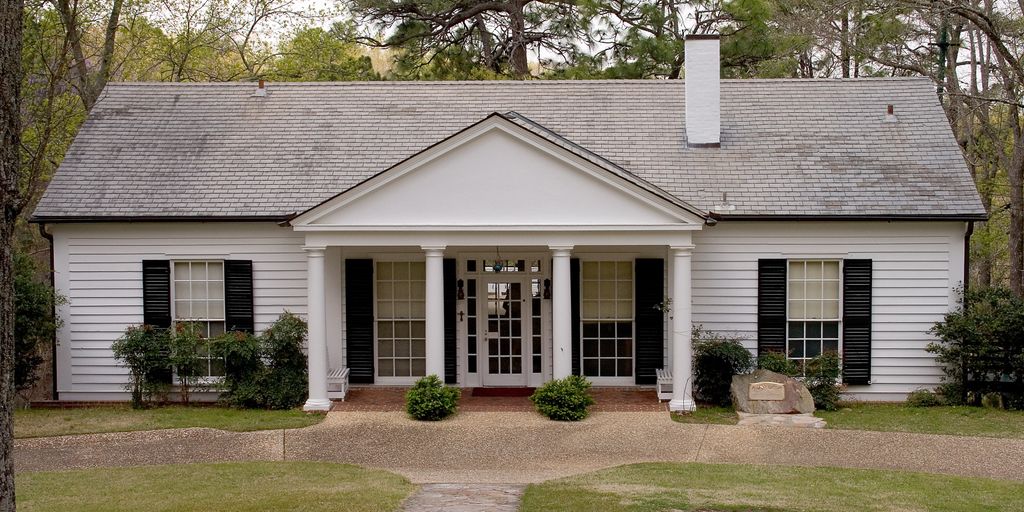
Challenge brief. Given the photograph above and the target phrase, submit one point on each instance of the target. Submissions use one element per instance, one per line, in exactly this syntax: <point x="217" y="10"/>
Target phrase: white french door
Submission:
<point x="503" y="316"/>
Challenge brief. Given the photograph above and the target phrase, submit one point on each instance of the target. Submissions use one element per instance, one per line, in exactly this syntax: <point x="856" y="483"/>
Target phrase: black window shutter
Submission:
<point x="771" y="306"/>
<point x="650" y="322"/>
<point x="156" y="293"/>
<point x="359" y="320"/>
<point x="574" y="278"/>
<point x="238" y="314"/>
<point x="450" y="351"/>
<point x="857" y="321"/>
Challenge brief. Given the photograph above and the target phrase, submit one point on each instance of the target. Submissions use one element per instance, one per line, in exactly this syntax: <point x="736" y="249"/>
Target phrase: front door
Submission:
<point x="505" y="334"/>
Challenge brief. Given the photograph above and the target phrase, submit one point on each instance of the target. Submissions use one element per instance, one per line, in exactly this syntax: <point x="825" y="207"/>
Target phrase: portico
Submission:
<point x="500" y="296"/>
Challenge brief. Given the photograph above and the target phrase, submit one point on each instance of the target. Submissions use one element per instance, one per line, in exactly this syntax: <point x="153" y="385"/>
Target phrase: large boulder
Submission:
<point x="765" y="392"/>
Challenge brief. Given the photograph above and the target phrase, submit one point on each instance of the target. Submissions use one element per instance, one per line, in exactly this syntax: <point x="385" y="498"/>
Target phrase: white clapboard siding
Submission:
<point x="917" y="268"/>
<point x="99" y="269"/>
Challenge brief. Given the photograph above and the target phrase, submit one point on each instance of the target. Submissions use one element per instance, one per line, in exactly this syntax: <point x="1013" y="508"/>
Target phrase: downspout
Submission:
<point x="967" y="254"/>
<point x="53" y="311"/>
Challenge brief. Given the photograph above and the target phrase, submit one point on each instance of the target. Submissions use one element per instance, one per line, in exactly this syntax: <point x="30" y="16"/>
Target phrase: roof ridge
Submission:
<point x="524" y="83"/>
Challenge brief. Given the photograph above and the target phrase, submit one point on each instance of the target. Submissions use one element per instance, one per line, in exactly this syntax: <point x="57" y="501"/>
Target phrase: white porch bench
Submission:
<point x="337" y="378"/>
<point x="664" y="384"/>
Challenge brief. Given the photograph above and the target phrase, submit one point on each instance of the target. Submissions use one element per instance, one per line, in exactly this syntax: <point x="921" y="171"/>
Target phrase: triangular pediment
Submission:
<point x="497" y="173"/>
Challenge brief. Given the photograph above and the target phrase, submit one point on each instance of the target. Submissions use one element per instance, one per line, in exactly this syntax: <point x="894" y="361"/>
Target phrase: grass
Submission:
<point x="953" y="420"/>
<point x="90" y="420"/>
<point x="950" y="420"/>
<point x="305" y="486"/>
<point x="720" y="487"/>
<point x="708" y="414"/>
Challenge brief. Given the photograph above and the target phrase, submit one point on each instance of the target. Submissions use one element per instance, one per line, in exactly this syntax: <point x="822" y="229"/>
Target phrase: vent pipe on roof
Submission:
<point x="261" y="88"/>
<point x="703" y="100"/>
<point x="890" y="114"/>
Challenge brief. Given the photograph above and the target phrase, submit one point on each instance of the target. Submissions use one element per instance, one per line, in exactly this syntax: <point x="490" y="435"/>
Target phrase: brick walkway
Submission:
<point x="387" y="399"/>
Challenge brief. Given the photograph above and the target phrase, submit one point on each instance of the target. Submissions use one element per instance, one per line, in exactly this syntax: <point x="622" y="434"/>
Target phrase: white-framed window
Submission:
<point x="813" y="308"/>
<point x="606" y="314"/>
<point x="401" y="319"/>
<point x="199" y="298"/>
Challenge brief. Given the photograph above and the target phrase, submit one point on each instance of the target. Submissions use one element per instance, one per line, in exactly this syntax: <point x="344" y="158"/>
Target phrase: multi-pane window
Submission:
<point x="199" y="298"/>
<point x="606" y="312"/>
<point x="813" y="309"/>
<point x="401" y="313"/>
<point x="471" y="335"/>
<point x="535" y="323"/>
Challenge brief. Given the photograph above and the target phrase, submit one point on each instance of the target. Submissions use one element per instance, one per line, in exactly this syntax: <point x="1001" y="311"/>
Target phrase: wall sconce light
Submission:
<point x="547" y="288"/>
<point x="460" y="292"/>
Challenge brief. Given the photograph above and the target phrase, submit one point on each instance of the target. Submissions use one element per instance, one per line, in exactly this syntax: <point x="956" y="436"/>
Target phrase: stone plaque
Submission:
<point x="767" y="391"/>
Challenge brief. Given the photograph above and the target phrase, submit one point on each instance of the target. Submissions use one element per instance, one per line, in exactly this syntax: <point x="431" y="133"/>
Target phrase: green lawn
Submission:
<point x="305" y="486"/>
<point x="963" y="421"/>
<point x="708" y="414"/>
<point x="720" y="487"/>
<point x="89" y="420"/>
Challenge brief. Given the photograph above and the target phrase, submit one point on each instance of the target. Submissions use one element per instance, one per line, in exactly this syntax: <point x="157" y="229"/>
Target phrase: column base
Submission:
<point x="317" y="405"/>
<point x="682" y="405"/>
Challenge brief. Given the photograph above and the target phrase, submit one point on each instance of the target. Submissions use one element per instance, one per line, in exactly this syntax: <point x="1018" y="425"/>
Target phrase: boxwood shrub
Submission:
<point x="565" y="399"/>
<point x="430" y="400"/>
<point x="716" y="359"/>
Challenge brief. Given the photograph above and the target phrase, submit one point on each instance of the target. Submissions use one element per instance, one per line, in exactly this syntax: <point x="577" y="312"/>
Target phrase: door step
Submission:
<point x="519" y="391"/>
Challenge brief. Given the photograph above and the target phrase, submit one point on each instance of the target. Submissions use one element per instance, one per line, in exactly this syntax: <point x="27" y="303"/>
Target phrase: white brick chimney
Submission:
<point x="703" y="102"/>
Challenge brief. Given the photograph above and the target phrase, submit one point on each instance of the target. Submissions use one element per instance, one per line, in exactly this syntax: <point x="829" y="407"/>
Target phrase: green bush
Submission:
<point x="287" y="380"/>
<point x="715" y="360"/>
<point x="244" y="370"/>
<point x="34" y="321"/>
<point x="145" y="350"/>
<point x="822" y="379"/>
<point x="187" y="348"/>
<point x="266" y="371"/>
<point x="778" y="362"/>
<point x="565" y="399"/>
<point x="982" y="348"/>
<point x="430" y="400"/>
<point x="924" y="398"/>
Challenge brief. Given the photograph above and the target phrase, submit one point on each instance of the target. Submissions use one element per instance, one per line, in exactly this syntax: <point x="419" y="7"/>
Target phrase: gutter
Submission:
<point x="166" y="218"/>
<point x="53" y="311"/>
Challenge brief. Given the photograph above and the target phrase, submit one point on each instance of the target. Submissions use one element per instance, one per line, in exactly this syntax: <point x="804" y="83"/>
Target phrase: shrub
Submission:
<point x="34" y="321"/>
<point x="244" y="370"/>
<point x="715" y="360"/>
<point x="186" y="348"/>
<point x="982" y="348"/>
<point x="145" y="350"/>
<point x="287" y="381"/>
<point x="430" y="400"/>
<point x="564" y="399"/>
<point x="924" y="398"/>
<point x="268" y="371"/>
<point x="822" y="380"/>
<point x="778" y="362"/>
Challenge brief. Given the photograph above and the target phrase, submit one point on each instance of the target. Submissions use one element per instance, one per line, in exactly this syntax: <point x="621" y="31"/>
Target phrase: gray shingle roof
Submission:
<point x="789" y="147"/>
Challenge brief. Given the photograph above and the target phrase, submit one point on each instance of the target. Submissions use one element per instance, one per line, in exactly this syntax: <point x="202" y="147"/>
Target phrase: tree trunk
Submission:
<point x="1015" y="177"/>
<point x="11" y="19"/>
<point x="520" y="66"/>
<point x="844" y="49"/>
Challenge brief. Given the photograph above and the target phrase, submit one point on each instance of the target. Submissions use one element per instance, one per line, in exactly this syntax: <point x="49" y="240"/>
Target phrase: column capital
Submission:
<point x="561" y="249"/>
<point x="682" y="250"/>
<point x="314" y="250"/>
<point x="434" y="250"/>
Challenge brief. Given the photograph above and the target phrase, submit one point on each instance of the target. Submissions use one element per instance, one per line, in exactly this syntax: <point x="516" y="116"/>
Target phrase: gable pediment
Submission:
<point x="496" y="174"/>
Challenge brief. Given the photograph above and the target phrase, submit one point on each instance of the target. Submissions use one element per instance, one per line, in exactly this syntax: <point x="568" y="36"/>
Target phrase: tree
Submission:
<point x="315" y="54"/>
<point x="496" y="35"/>
<point x="11" y="203"/>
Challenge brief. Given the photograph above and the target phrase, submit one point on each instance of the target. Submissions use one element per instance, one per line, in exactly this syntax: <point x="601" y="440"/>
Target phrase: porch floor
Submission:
<point x="392" y="398"/>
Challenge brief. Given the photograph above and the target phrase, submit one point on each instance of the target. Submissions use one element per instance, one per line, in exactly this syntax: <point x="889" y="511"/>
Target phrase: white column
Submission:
<point x="561" y="312"/>
<point x="682" y="342"/>
<point x="435" y="310"/>
<point x="316" y="318"/>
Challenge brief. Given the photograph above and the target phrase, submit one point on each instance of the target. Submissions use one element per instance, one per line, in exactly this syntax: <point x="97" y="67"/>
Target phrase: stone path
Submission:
<point x="465" y="498"/>
<point x="520" y="447"/>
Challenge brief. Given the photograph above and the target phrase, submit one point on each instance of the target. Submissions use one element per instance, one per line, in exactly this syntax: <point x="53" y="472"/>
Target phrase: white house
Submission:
<point x="508" y="233"/>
